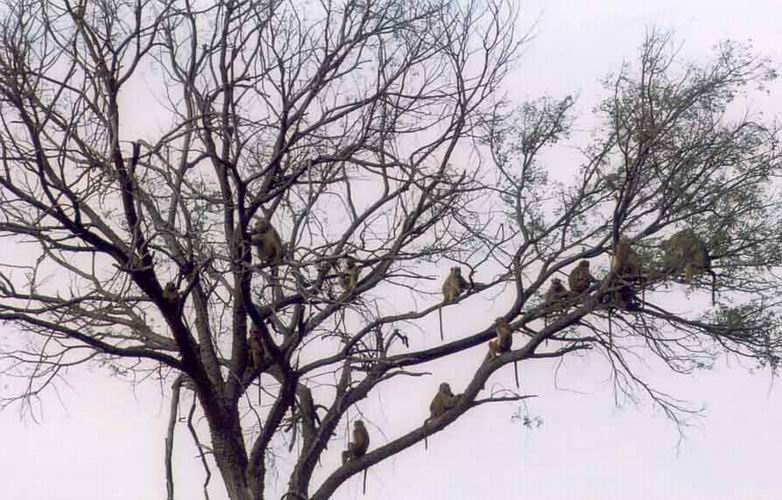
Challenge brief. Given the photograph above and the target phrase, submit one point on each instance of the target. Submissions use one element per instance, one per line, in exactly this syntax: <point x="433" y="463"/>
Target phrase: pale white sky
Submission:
<point x="103" y="439"/>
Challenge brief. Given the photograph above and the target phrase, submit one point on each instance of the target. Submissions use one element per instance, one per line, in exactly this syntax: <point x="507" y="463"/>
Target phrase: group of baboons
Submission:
<point x="685" y="255"/>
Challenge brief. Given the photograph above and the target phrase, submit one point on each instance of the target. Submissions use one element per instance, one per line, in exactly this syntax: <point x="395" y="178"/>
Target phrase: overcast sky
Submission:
<point x="103" y="438"/>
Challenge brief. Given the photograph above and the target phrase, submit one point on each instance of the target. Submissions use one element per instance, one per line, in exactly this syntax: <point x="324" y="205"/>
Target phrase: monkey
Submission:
<point x="504" y="339"/>
<point x="171" y="293"/>
<point x="348" y="279"/>
<point x="627" y="269"/>
<point x="267" y="241"/>
<point x="502" y="343"/>
<point x="443" y="401"/>
<point x="358" y="447"/>
<point x="626" y="265"/>
<point x="556" y="292"/>
<point x="686" y="253"/>
<point x="626" y="262"/>
<point x="623" y="296"/>
<point x="453" y="286"/>
<point x="257" y="353"/>
<point x="256" y="348"/>
<point x="555" y="296"/>
<point x="580" y="278"/>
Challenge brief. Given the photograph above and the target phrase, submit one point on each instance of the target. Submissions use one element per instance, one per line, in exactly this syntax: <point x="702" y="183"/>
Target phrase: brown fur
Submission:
<point x="443" y="401"/>
<point x="358" y="447"/>
<point x="580" y="278"/>
<point x="626" y="262"/>
<point x="556" y="292"/>
<point x="504" y="339"/>
<point x="170" y="292"/>
<point x="454" y="284"/>
<point x="267" y="242"/>
<point x="256" y="348"/>
<point x="686" y="254"/>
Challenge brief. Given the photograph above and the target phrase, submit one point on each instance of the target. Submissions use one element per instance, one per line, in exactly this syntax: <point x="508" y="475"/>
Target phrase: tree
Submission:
<point x="372" y="131"/>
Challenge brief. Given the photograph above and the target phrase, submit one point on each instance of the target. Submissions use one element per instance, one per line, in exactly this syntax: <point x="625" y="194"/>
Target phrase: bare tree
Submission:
<point x="371" y="138"/>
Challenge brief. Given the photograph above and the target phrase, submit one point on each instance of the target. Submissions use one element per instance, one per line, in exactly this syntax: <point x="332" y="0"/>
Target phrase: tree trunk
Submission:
<point x="232" y="469"/>
<point x="231" y="458"/>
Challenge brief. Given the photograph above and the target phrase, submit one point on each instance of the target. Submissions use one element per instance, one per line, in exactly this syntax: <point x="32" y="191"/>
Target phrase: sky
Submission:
<point x="103" y="438"/>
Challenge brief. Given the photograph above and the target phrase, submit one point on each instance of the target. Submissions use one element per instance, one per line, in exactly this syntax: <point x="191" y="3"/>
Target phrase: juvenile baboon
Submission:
<point x="556" y="294"/>
<point x="358" y="447"/>
<point x="256" y="347"/>
<point x="555" y="297"/>
<point x="453" y="286"/>
<point x="504" y="339"/>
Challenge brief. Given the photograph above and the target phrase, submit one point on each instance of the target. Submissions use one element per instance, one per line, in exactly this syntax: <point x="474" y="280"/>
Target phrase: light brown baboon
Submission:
<point x="504" y="339"/>
<point x="686" y="254"/>
<point x="358" y="447"/>
<point x="443" y="401"/>
<point x="626" y="262"/>
<point x="555" y="296"/>
<point x="454" y="285"/>
<point x="267" y="241"/>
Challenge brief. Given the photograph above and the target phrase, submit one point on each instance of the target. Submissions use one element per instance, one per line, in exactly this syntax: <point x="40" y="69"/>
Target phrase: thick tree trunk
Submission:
<point x="236" y="490"/>
<point x="229" y="450"/>
<point x="232" y="465"/>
